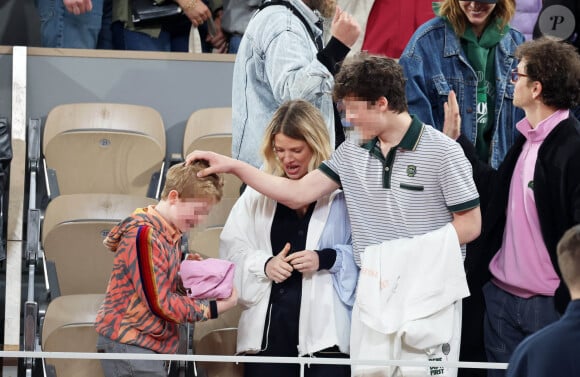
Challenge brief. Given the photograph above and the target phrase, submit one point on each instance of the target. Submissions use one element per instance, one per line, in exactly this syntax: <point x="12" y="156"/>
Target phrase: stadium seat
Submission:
<point x="214" y="125"/>
<point x="219" y="342"/>
<point x="103" y="148"/>
<point x="72" y="237"/>
<point x="69" y="327"/>
<point x="206" y="241"/>
<point x="211" y="129"/>
<point x="225" y="320"/>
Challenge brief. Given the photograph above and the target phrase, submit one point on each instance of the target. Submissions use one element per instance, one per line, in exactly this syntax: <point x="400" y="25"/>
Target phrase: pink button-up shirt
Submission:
<point x="522" y="266"/>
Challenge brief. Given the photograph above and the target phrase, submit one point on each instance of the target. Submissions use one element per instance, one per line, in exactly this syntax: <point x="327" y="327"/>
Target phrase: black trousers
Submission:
<point x="280" y="338"/>
<point x="293" y="370"/>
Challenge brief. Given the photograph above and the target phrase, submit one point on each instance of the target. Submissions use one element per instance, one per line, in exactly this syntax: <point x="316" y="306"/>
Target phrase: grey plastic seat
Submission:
<point x="206" y="241"/>
<point x="103" y="148"/>
<point x="219" y="342"/>
<point x="69" y="327"/>
<point x="72" y="237"/>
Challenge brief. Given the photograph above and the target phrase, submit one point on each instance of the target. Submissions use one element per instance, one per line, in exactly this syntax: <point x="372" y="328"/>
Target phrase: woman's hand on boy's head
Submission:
<point x="217" y="163"/>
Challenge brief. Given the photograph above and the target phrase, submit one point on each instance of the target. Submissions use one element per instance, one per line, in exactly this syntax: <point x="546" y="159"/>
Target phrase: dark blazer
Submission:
<point x="552" y="351"/>
<point x="556" y="191"/>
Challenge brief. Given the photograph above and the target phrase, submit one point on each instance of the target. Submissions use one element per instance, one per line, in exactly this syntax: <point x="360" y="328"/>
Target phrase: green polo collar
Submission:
<point x="413" y="135"/>
<point x="409" y="141"/>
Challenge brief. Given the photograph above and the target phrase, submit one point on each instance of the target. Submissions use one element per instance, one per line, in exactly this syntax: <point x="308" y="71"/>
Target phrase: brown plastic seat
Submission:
<point x="206" y="241"/>
<point x="219" y="342"/>
<point x="215" y="125"/>
<point x="69" y="327"/>
<point x="104" y="147"/>
<point x="72" y="237"/>
<point x="225" y="320"/>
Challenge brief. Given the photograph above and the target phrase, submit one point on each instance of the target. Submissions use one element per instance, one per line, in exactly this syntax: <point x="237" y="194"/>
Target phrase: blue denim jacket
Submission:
<point x="434" y="63"/>
<point x="276" y="62"/>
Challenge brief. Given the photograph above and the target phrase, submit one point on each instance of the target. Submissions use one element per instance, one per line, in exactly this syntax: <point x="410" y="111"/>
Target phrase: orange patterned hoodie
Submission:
<point x="142" y="305"/>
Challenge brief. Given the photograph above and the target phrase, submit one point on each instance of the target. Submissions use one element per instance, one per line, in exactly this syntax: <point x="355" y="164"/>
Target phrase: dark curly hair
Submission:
<point x="369" y="77"/>
<point x="556" y="65"/>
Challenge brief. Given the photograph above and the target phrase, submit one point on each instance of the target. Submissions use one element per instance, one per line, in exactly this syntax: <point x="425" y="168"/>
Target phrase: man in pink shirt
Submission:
<point x="529" y="202"/>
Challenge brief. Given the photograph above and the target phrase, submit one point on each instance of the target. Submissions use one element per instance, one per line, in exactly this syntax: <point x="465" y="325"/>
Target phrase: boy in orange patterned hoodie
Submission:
<point x="143" y="306"/>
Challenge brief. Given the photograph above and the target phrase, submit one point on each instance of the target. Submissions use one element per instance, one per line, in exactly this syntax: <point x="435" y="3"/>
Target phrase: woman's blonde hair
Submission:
<point x="504" y="11"/>
<point x="300" y="120"/>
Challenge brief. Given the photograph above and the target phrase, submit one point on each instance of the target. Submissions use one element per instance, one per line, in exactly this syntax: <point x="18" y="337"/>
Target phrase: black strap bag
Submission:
<point x="145" y="12"/>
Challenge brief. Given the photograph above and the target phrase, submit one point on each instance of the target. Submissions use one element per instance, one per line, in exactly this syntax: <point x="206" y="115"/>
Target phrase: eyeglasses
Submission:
<point x="516" y="75"/>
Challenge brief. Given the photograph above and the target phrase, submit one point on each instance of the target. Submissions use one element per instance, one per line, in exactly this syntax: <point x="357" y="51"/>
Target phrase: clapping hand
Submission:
<point x="452" y="122"/>
<point x="344" y="28"/>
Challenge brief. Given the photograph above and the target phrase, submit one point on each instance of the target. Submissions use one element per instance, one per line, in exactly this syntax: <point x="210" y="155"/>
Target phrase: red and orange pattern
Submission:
<point x="142" y="305"/>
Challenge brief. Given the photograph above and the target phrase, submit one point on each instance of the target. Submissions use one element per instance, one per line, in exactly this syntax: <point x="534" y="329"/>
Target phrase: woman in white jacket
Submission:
<point x="295" y="272"/>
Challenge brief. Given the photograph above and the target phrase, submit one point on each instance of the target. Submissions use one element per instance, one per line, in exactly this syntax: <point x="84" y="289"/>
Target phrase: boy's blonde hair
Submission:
<point x="183" y="179"/>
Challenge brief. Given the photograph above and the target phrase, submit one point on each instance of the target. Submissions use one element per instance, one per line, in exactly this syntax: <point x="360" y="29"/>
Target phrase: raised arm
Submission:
<point x="483" y="174"/>
<point x="293" y="193"/>
<point x="467" y="223"/>
<point x="452" y="122"/>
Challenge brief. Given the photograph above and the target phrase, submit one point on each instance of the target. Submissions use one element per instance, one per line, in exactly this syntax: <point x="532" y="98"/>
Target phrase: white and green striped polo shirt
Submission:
<point x="412" y="191"/>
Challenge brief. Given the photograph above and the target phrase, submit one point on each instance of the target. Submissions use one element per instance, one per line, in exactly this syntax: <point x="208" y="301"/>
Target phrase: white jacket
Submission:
<point x="324" y="309"/>
<point x="408" y="303"/>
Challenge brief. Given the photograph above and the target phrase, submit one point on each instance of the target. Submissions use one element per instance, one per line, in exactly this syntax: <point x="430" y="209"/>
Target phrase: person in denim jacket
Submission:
<point x="468" y="48"/>
<point x="75" y="23"/>
<point x="281" y="58"/>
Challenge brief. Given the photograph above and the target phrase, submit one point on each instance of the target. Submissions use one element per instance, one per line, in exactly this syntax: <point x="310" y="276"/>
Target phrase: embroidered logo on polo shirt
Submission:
<point x="411" y="170"/>
<point x="531" y="185"/>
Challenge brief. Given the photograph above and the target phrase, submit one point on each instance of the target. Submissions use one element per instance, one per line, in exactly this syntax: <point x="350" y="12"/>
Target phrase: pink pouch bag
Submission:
<point x="209" y="278"/>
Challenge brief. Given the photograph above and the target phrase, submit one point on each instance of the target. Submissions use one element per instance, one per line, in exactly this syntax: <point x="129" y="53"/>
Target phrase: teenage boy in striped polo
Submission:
<point x="404" y="179"/>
